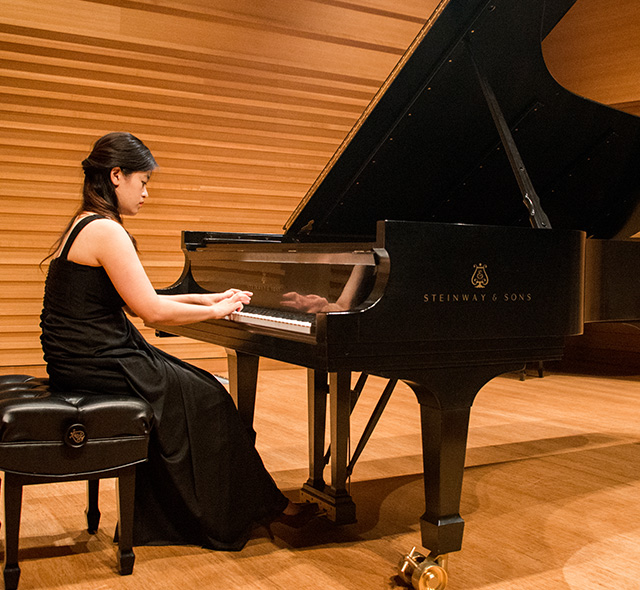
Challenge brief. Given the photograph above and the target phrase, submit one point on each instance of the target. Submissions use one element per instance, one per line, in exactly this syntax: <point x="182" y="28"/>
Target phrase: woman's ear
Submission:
<point x="116" y="175"/>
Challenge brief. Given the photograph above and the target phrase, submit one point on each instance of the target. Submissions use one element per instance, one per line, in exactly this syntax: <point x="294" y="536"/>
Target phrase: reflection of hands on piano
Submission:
<point x="313" y="303"/>
<point x="307" y="303"/>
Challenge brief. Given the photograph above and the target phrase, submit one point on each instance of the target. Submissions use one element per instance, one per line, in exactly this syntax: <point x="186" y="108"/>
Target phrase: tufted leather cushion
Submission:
<point x="56" y="433"/>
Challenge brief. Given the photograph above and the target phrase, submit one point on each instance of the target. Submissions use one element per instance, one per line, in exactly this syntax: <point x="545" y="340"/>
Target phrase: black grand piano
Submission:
<point x="476" y="215"/>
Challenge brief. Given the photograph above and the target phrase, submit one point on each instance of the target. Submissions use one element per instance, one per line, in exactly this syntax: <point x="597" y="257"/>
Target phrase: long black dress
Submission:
<point x="204" y="483"/>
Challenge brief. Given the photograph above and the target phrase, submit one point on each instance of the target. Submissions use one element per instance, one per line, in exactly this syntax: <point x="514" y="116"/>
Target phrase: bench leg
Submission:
<point x="12" y="499"/>
<point x="92" y="511"/>
<point x="126" y="494"/>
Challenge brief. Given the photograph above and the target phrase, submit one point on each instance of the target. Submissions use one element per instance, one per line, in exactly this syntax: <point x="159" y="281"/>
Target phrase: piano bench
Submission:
<point x="49" y="436"/>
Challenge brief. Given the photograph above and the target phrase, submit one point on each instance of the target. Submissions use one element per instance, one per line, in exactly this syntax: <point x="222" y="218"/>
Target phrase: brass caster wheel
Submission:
<point x="423" y="572"/>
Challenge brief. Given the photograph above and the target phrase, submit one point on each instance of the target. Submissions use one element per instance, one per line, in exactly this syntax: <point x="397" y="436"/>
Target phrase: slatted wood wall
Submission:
<point x="241" y="101"/>
<point x="595" y="52"/>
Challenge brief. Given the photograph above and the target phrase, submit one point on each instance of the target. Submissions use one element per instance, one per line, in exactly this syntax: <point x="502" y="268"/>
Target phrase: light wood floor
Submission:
<point x="551" y="500"/>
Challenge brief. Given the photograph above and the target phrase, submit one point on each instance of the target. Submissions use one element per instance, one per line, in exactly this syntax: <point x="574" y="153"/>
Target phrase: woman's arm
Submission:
<point x="107" y="243"/>
<point x="203" y="298"/>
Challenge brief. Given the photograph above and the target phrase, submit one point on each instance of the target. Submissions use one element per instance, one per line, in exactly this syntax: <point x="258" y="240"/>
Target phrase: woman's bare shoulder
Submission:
<point x="105" y="227"/>
<point x="101" y="240"/>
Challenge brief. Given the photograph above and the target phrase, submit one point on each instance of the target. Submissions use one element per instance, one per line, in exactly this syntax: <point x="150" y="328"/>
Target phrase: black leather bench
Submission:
<point x="50" y="437"/>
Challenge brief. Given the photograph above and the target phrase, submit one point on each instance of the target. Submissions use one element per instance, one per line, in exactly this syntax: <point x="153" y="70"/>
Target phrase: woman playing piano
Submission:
<point x="204" y="483"/>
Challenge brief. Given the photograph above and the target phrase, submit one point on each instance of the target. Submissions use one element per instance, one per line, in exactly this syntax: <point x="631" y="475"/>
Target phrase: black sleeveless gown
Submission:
<point x="204" y="483"/>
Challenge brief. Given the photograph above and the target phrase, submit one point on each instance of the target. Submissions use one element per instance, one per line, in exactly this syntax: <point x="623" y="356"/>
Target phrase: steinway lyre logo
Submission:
<point x="480" y="279"/>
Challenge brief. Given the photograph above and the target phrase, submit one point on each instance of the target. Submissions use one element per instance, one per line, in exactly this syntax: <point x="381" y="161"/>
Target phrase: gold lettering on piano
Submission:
<point x="479" y="279"/>
<point x="523" y="297"/>
<point x="517" y="297"/>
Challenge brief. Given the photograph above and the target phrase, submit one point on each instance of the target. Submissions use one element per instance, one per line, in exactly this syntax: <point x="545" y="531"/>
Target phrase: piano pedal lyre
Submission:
<point x="423" y="572"/>
<point x="373" y="420"/>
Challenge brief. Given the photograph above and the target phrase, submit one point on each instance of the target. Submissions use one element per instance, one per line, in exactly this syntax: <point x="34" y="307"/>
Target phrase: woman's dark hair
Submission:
<point x="114" y="150"/>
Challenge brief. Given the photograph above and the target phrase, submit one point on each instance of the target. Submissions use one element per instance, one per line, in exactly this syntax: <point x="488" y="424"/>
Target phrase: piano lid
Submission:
<point x="427" y="147"/>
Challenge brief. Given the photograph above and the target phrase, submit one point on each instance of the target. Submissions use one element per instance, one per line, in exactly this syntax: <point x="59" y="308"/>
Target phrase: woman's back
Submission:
<point x="82" y="316"/>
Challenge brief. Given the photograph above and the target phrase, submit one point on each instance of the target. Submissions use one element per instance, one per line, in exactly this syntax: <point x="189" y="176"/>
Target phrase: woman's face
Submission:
<point x="131" y="190"/>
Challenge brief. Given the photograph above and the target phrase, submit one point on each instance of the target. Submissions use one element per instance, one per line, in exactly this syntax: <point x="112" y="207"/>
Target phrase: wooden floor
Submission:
<point x="551" y="500"/>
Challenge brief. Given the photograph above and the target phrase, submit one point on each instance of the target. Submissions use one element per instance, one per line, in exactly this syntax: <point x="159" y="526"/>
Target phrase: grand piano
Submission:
<point x="476" y="215"/>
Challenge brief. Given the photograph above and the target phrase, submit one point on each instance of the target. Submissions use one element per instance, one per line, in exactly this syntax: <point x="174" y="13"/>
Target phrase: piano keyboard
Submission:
<point x="289" y="321"/>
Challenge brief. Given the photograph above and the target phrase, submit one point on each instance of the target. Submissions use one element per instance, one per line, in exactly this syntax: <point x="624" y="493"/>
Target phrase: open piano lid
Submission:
<point x="427" y="148"/>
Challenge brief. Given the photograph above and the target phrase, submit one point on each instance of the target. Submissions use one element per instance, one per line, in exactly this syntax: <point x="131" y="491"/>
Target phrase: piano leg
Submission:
<point x="445" y="397"/>
<point x="243" y="380"/>
<point x="334" y="498"/>
<point x="340" y="419"/>
<point x="443" y="451"/>
<point x="317" y="390"/>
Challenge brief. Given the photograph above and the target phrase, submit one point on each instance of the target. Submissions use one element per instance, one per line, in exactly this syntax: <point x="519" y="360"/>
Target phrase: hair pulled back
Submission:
<point x="114" y="150"/>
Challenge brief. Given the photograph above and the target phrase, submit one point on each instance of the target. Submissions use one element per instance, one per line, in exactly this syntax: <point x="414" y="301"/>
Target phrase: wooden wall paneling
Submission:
<point x="242" y="104"/>
<point x="595" y="52"/>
